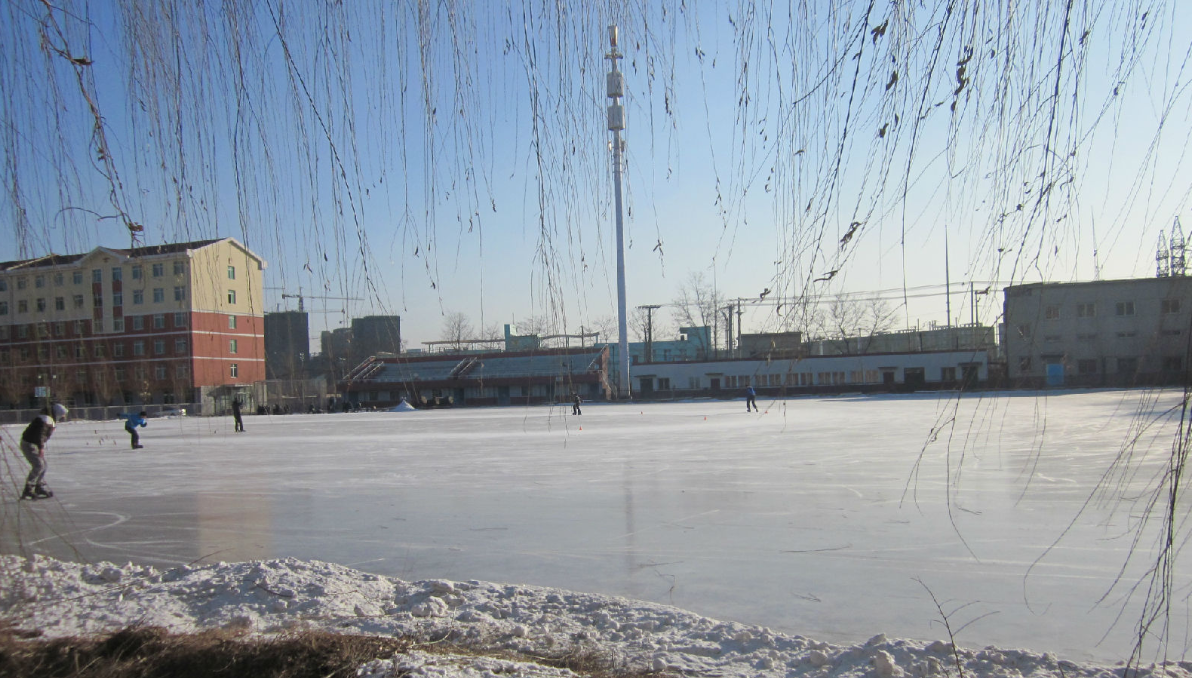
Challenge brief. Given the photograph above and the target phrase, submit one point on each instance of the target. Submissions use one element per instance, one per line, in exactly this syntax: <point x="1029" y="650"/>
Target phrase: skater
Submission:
<point x="236" y="415"/>
<point x="750" y="402"/>
<point x="33" y="445"/>
<point x="131" y="424"/>
<point x="575" y="402"/>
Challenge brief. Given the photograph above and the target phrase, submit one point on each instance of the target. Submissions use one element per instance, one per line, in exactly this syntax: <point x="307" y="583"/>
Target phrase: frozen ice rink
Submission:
<point x="828" y="517"/>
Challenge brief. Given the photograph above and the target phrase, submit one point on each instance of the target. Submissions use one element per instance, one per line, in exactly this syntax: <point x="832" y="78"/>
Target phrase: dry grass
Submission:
<point x="151" y="652"/>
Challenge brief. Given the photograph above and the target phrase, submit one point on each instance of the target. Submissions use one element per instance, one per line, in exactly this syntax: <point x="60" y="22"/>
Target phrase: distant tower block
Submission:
<point x="1179" y="266"/>
<point x="1162" y="261"/>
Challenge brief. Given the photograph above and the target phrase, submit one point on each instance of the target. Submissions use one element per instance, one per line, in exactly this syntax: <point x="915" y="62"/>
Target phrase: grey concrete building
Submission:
<point x="1100" y="333"/>
<point x="287" y="345"/>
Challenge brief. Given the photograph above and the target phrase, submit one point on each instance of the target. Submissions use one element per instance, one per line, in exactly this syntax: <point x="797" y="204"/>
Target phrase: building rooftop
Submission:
<point x="131" y="252"/>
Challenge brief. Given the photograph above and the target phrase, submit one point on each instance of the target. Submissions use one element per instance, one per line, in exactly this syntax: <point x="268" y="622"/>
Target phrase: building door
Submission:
<point x="1055" y="374"/>
<point x="647" y="386"/>
<point x="914" y="378"/>
<point x="970" y="374"/>
<point x="502" y="395"/>
<point x="888" y="378"/>
<point x="714" y="383"/>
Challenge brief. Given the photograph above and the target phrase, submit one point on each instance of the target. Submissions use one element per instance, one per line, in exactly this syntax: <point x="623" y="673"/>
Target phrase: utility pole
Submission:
<point x="650" y="330"/>
<point x="740" y="312"/>
<point x="729" y="318"/>
<point x="615" y="82"/>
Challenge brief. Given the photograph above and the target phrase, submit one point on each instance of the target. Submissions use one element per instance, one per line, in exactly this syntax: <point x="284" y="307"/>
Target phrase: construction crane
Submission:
<point x="302" y="297"/>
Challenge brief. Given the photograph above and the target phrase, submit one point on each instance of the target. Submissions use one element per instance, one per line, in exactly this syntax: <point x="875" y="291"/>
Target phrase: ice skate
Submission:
<point x="28" y="493"/>
<point x="42" y="492"/>
<point x="137" y="447"/>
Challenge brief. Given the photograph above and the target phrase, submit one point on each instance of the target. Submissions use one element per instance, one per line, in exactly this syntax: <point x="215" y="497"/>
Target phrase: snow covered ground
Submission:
<point x="831" y="518"/>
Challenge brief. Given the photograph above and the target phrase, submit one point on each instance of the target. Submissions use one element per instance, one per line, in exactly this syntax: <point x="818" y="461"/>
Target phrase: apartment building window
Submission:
<point x="98" y="350"/>
<point x="59" y="303"/>
<point x="3" y="285"/>
<point x="1051" y="312"/>
<point x="235" y="371"/>
<point x="39" y="281"/>
<point x="80" y="351"/>
<point x="77" y="277"/>
<point x="59" y="279"/>
<point x="24" y="353"/>
<point x="60" y="352"/>
<point x="81" y="376"/>
<point x="97" y="325"/>
<point x="43" y="353"/>
<point x="78" y="301"/>
<point x="80" y="327"/>
<point x="232" y="346"/>
<point x="159" y="295"/>
<point x="182" y="371"/>
<point x="21" y="283"/>
<point x="4" y="332"/>
<point x="138" y="322"/>
<point x="1088" y="310"/>
<point x="231" y="322"/>
<point x="119" y="374"/>
<point x="5" y="358"/>
<point x="179" y="268"/>
<point x="97" y="299"/>
<point x="59" y="329"/>
<point x="160" y="372"/>
<point x="1173" y="363"/>
<point x="180" y="346"/>
<point x="138" y="297"/>
<point x="231" y="296"/>
<point x="117" y="274"/>
<point x="1086" y="337"/>
<point x="118" y="349"/>
<point x="1125" y="308"/>
<point x="159" y="347"/>
<point x="118" y="324"/>
<point x="1169" y="306"/>
<point x="231" y="273"/>
<point x="22" y="306"/>
<point x="41" y="305"/>
<point x="1127" y="365"/>
<point x="180" y="319"/>
<point x="1086" y="366"/>
<point x="117" y="298"/>
<point x="3" y="308"/>
<point x="138" y="372"/>
<point x="138" y="348"/>
<point x="179" y="293"/>
<point x="97" y="275"/>
<point x="137" y="272"/>
<point x="159" y="321"/>
<point x="22" y="332"/>
<point x="1172" y="333"/>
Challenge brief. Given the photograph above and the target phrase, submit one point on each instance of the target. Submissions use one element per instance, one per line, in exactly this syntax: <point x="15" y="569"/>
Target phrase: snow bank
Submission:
<point x="403" y="406"/>
<point x="60" y="598"/>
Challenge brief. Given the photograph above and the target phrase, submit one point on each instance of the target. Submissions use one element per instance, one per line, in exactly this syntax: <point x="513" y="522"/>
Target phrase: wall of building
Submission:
<point x="1099" y="333"/>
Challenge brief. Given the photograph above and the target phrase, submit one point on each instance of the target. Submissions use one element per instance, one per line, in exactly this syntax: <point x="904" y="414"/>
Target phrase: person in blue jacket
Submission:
<point x="132" y="421"/>
<point x="750" y="394"/>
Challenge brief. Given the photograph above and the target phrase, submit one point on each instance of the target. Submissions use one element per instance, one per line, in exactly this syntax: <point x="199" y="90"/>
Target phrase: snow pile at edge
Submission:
<point x="61" y="599"/>
<point x="403" y="406"/>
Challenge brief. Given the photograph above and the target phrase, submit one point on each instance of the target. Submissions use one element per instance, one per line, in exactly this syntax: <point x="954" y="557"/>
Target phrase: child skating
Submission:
<point x="33" y="445"/>
<point x="132" y="421"/>
<point x="750" y="399"/>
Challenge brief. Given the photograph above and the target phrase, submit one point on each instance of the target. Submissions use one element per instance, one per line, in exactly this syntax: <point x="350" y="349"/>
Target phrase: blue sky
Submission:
<point x="322" y="159"/>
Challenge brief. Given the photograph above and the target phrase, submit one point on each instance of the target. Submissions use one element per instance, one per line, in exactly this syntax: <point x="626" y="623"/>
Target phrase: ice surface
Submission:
<point x="826" y="517"/>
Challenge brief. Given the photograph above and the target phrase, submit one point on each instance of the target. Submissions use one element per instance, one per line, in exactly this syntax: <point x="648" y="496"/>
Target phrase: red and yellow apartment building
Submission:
<point x="160" y="324"/>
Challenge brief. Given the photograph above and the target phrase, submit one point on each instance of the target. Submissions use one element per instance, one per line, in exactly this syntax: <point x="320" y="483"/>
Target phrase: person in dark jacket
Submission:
<point x="575" y="403"/>
<point x="750" y="401"/>
<point x="236" y="415"/>
<point x="33" y="445"/>
<point x="132" y="421"/>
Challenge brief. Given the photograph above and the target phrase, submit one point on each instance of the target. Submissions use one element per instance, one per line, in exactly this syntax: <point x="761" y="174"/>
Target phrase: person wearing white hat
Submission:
<point x="33" y="445"/>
